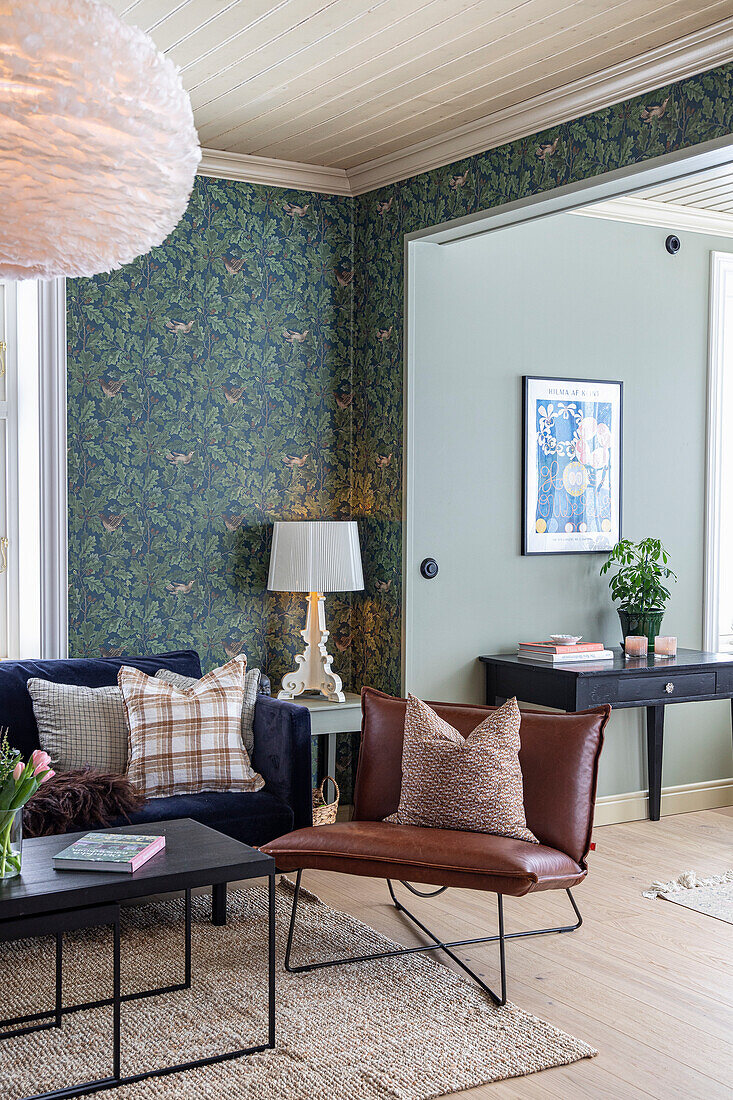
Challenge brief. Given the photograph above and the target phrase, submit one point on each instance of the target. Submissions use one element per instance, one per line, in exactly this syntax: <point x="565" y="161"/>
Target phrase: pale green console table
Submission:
<point x="328" y="720"/>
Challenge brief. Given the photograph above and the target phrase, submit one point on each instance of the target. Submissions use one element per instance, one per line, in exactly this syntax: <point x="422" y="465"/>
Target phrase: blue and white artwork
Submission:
<point x="572" y="457"/>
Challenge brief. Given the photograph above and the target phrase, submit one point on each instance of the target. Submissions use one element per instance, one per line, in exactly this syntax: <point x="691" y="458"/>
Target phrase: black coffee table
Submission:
<point x="45" y="902"/>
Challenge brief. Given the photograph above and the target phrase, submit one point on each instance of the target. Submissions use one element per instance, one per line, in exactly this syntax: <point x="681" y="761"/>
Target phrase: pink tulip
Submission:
<point x="39" y="760"/>
<point x="46" y="776"/>
<point x="18" y="770"/>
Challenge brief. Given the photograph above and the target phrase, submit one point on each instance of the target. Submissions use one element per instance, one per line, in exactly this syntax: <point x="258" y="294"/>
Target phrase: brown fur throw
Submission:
<point x="79" y="799"/>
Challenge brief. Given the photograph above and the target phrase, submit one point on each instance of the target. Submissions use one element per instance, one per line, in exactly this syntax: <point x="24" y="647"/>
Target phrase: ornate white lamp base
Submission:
<point x="314" y="672"/>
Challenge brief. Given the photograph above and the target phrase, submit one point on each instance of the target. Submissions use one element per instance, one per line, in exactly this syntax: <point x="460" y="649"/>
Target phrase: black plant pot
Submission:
<point x="646" y="623"/>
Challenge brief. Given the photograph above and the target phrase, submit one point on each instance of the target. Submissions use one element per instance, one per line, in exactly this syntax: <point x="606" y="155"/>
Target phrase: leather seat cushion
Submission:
<point x="439" y="857"/>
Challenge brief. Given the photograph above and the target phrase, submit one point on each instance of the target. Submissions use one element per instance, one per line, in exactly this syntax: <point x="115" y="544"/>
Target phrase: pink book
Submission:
<point x="108" y="851"/>
<point x="551" y="647"/>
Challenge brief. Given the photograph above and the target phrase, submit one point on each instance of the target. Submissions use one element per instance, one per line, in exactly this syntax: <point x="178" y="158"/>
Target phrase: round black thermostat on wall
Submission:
<point x="673" y="244"/>
<point x="429" y="568"/>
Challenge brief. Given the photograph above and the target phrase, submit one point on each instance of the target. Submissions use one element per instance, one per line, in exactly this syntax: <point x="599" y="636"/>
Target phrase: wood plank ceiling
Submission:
<point x="342" y="82"/>
<point x="711" y="190"/>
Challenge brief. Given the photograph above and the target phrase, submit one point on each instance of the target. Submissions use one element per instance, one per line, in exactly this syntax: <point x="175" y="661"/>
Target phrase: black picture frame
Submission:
<point x="530" y="540"/>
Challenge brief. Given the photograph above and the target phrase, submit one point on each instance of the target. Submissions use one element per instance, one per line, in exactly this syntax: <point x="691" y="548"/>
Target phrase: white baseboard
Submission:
<point x="612" y="809"/>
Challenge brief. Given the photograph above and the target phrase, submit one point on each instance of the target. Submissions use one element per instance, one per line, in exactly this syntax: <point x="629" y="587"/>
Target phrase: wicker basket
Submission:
<point x="324" y="813"/>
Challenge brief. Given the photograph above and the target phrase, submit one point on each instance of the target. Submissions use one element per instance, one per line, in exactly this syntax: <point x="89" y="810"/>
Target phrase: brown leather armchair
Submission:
<point x="559" y="760"/>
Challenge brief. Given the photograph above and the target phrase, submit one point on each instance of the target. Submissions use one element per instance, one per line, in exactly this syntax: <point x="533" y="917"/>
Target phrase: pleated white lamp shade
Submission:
<point x="315" y="556"/>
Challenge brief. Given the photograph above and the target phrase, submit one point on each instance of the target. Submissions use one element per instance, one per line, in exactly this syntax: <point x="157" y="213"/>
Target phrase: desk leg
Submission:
<point x="654" y="747"/>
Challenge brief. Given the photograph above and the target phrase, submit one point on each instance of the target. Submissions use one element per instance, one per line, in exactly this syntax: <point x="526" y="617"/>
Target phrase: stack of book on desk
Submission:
<point x="552" y="654"/>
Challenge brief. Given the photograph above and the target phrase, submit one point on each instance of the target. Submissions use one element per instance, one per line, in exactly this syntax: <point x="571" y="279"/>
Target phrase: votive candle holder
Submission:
<point x="636" y="645"/>
<point x="665" y="646"/>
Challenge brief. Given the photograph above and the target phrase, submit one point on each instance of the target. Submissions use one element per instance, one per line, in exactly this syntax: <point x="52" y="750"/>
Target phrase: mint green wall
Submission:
<point x="578" y="297"/>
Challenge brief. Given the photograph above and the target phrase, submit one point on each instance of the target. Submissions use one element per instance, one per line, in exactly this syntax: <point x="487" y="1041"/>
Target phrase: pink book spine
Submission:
<point x="147" y="853"/>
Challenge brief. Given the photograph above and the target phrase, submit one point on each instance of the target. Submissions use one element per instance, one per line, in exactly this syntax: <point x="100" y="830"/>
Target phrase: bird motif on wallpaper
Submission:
<point x="343" y="637"/>
<point x="343" y="278"/>
<point x="295" y="462"/>
<point x="544" y="152"/>
<point x="384" y="334"/>
<point x="179" y="326"/>
<point x="383" y="586"/>
<point x="234" y="266"/>
<point x="343" y="400"/>
<point x="111" y="386"/>
<point x="233" y="649"/>
<point x="458" y="181"/>
<point x="110" y="522"/>
<point x="180" y="589"/>
<point x="233" y="393"/>
<point x="179" y="459"/>
<point x="294" y="210"/>
<point x="654" y="110"/>
<point x="383" y="461"/>
<point x="232" y="523"/>
<point x="385" y="207"/>
<point x="295" y="337"/>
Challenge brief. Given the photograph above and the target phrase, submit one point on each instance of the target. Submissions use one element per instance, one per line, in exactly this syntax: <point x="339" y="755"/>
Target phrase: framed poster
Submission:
<point x="572" y="465"/>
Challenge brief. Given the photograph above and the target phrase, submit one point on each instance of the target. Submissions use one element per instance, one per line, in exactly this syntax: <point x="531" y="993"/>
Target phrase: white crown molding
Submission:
<point x="274" y="173"/>
<point x="687" y="56"/>
<point x="665" y="215"/>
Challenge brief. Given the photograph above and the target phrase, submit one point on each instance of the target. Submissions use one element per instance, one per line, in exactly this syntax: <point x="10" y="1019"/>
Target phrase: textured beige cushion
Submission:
<point x="452" y="782"/>
<point x="184" y="740"/>
<point x="80" y="726"/>
<point x="251" y="687"/>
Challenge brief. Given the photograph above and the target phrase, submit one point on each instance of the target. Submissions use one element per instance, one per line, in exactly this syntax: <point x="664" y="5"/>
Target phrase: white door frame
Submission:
<point x="609" y="185"/>
<point x="54" y="518"/>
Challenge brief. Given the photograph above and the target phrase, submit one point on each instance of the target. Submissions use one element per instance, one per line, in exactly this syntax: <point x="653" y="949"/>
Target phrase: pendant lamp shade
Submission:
<point x="98" y="149"/>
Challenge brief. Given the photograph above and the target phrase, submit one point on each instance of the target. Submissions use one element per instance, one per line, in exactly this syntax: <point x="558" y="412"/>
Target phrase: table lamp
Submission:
<point x="315" y="556"/>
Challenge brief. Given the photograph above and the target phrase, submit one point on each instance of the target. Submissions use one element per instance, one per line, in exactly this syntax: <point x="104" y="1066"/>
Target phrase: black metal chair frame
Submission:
<point x="437" y="945"/>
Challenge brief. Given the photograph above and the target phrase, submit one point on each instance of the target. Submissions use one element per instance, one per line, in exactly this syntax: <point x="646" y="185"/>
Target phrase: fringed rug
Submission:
<point x="406" y="1029"/>
<point x="712" y="896"/>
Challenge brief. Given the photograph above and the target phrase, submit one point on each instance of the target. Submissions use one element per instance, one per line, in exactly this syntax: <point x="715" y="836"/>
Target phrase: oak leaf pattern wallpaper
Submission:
<point x="250" y="369"/>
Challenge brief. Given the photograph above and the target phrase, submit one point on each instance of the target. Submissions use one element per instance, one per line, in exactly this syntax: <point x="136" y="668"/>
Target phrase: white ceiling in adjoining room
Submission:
<point x="342" y="83"/>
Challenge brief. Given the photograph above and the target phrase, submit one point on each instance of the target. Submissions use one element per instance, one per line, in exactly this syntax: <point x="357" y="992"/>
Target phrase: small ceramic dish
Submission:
<point x="565" y="639"/>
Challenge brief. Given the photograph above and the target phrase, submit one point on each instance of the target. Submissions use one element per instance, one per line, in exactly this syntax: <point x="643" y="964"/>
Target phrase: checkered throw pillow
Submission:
<point x="251" y="688"/>
<point x="454" y="782"/>
<point x="187" y="740"/>
<point x="80" y="726"/>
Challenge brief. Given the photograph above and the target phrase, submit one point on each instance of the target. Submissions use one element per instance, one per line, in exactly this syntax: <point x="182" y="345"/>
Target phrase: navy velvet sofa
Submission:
<point x="282" y="751"/>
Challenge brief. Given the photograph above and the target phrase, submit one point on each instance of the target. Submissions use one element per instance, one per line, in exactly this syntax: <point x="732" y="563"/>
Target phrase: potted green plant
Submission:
<point x="639" y="585"/>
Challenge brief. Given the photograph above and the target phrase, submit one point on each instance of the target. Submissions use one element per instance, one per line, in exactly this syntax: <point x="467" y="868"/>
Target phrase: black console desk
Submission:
<point x="692" y="676"/>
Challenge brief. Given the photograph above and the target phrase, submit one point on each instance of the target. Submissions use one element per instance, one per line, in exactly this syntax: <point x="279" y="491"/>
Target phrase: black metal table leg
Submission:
<point x="219" y="903"/>
<point x="271" y="959"/>
<point x="654" y="747"/>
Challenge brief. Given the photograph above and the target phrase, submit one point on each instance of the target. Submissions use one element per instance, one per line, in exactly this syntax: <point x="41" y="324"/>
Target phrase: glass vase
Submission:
<point x="11" y="843"/>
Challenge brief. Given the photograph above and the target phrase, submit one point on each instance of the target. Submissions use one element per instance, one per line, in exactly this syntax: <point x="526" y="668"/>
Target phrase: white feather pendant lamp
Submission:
<point x="98" y="149"/>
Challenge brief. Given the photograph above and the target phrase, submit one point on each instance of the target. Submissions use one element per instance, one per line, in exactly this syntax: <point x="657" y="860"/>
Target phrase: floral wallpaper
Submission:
<point x="675" y="117"/>
<point x="250" y="369"/>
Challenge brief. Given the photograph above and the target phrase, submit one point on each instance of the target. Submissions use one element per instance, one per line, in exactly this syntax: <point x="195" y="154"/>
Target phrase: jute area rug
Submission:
<point x="405" y="1029"/>
<point x="711" y="896"/>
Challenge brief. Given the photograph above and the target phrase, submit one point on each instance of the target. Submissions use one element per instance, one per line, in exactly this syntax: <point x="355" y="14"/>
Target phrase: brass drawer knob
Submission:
<point x="669" y="688"/>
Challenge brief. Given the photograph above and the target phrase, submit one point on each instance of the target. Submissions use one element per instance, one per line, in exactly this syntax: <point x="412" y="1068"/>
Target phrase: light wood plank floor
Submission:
<point x="647" y="983"/>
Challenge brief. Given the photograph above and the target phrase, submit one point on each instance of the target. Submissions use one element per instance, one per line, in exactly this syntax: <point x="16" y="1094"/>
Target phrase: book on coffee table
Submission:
<point x="123" y="852"/>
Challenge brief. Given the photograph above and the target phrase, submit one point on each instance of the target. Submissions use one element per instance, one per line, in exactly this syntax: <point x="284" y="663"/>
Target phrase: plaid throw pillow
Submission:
<point x="452" y="782"/>
<point x="184" y="741"/>
<point x="251" y="688"/>
<point x="80" y="726"/>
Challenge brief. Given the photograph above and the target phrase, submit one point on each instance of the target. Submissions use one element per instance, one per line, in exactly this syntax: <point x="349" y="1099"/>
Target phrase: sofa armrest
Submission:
<point x="282" y="754"/>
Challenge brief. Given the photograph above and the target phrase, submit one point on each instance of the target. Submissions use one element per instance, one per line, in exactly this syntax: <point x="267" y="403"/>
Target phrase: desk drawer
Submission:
<point x="666" y="686"/>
